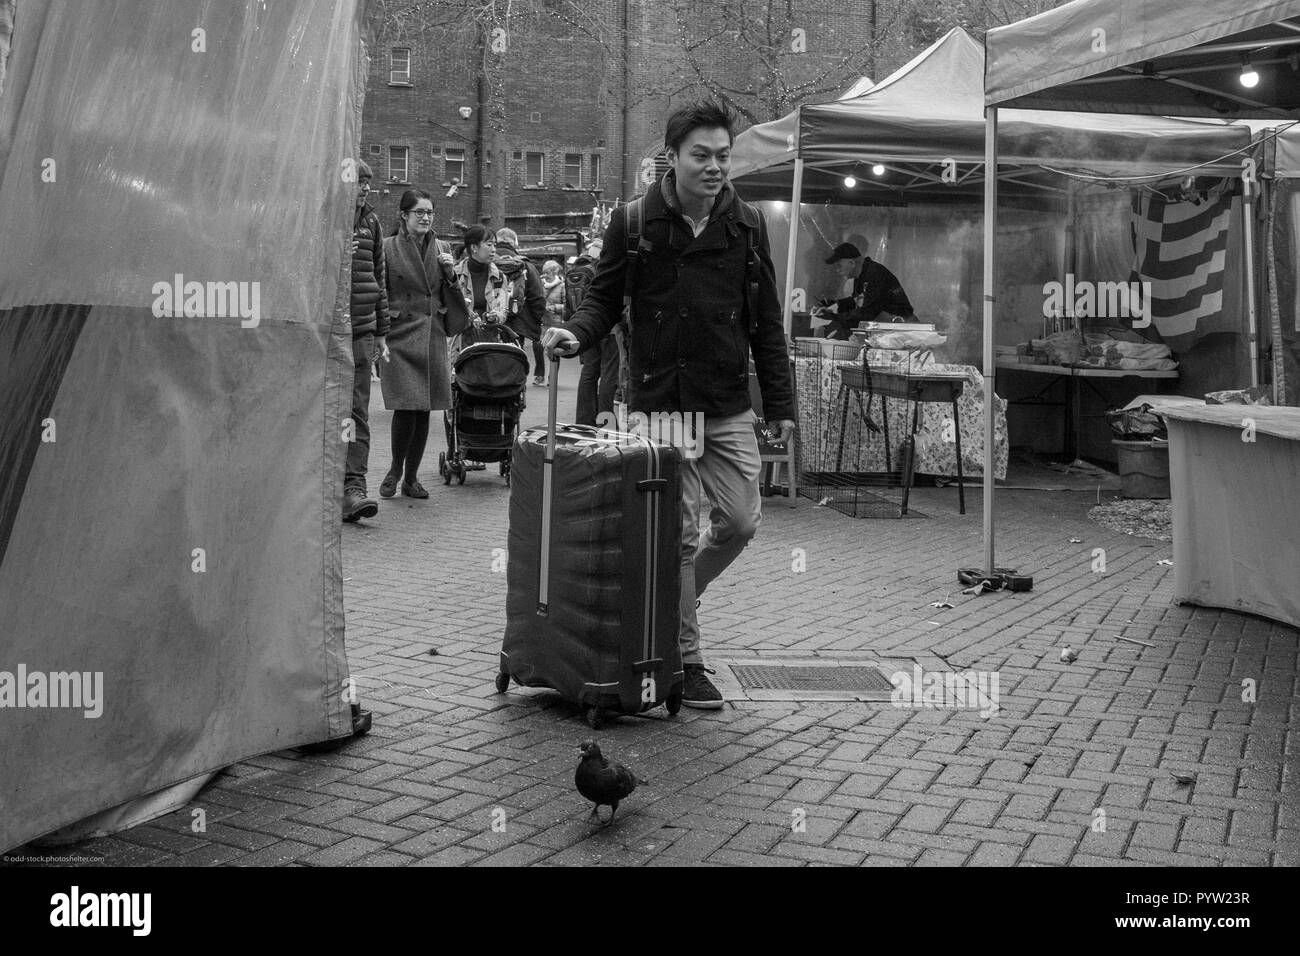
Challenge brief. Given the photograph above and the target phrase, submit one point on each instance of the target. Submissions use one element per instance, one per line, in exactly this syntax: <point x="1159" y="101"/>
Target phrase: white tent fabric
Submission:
<point x="1122" y="56"/>
<point x="857" y="88"/>
<point x="932" y="109"/>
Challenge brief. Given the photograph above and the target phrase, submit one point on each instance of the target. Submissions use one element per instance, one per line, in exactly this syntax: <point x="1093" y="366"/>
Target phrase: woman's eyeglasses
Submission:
<point x="423" y="213"/>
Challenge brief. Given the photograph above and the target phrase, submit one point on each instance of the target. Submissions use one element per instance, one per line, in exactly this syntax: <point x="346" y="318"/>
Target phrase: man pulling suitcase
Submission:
<point x="694" y="270"/>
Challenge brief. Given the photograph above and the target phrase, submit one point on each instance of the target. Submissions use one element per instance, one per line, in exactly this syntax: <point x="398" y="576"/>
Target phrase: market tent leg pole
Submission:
<point x="990" y="377"/>
<point x="1248" y="238"/>
<point x="793" y="247"/>
<point x="1274" y="311"/>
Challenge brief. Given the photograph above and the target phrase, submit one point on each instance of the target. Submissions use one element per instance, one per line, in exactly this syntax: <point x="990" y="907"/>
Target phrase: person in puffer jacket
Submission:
<point x="369" y="329"/>
<point x="553" y="286"/>
<point x="527" y="297"/>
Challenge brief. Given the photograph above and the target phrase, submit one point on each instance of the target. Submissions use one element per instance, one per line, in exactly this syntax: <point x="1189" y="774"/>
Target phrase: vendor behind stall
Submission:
<point x="877" y="294"/>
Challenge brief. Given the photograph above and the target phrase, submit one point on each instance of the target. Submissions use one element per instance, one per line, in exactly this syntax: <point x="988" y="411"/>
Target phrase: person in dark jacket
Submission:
<point x="598" y="379"/>
<point x="369" y="342"/>
<point x="527" y="317"/>
<point x="699" y="312"/>
<point x="427" y="309"/>
<point x="877" y="296"/>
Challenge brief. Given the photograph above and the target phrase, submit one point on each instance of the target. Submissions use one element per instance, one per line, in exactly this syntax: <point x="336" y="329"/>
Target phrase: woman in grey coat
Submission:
<point x="426" y="308"/>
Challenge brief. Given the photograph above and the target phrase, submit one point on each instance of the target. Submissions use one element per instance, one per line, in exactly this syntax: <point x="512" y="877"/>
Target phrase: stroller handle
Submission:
<point x="480" y="331"/>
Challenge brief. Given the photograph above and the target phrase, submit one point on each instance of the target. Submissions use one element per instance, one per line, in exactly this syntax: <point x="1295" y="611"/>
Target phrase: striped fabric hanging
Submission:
<point x="1181" y="249"/>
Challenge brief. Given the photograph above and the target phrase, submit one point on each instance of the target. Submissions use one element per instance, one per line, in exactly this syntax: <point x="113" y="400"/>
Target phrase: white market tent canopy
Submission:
<point x="932" y="110"/>
<point x="1162" y="57"/>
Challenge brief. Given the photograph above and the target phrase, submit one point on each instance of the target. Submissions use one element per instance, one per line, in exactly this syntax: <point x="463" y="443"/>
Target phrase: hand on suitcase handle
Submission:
<point x="559" y="342"/>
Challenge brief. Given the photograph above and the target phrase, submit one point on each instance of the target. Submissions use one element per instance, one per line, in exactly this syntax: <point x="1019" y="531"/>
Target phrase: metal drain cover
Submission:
<point x="840" y="678"/>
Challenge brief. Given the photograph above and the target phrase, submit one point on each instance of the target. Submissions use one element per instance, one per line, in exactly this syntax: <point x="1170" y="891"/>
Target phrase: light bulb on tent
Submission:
<point x="878" y="169"/>
<point x="1249" y="78"/>
<point x="849" y="182"/>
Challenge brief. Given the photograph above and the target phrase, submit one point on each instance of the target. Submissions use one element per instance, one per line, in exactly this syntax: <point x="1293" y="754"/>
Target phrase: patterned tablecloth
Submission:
<point x="817" y="383"/>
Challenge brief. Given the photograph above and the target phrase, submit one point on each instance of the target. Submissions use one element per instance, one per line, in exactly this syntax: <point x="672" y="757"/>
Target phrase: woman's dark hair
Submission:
<point x="703" y="114"/>
<point x="408" y="202"/>
<point x="473" y="236"/>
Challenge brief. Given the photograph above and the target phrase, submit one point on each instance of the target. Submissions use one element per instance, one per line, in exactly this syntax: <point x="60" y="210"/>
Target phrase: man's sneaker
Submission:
<point x="699" y="691"/>
<point x="357" y="505"/>
<point x="539" y="380"/>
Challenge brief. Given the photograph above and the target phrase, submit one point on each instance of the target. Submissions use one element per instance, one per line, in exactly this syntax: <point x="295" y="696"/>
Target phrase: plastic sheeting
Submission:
<point x="171" y="462"/>
<point x="1236" y="530"/>
<point x="934" y="251"/>
<point x="1047" y="61"/>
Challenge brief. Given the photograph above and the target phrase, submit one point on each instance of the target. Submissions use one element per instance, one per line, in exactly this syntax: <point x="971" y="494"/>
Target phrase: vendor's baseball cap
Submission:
<point x="845" y="250"/>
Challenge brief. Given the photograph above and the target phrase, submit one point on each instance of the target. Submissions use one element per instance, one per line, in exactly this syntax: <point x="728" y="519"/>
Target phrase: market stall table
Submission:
<point x="1074" y="375"/>
<point x="914" y="386"/>
<point x="1234" y="472"/>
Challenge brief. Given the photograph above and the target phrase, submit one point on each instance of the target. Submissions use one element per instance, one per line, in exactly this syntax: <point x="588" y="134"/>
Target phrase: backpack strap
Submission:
<point x="751" y="282"/>
<point x="637" y="249"/>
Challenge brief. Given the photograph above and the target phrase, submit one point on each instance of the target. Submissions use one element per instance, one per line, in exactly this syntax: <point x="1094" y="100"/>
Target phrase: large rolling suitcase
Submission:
<point x="594" y="568"/>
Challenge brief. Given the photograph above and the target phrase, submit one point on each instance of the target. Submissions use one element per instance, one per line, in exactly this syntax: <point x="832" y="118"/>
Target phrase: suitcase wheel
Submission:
<point x="674" y="703"/>
<point x="503" y="682"/>
<point x="595" y="716"/>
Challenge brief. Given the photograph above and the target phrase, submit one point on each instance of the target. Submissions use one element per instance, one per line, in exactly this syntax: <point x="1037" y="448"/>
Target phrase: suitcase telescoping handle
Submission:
<point x="548" y="489"/>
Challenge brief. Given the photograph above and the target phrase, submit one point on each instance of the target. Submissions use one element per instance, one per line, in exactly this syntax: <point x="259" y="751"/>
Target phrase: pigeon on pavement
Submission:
<point x="602" y="782"/>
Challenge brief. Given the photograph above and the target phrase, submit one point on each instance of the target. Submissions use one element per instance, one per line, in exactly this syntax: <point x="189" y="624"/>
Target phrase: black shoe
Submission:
<point x="413" y="489"/>
<point x="388" y="487"/>
<point x="357" y="505"/>
<point x="698" y="691"/>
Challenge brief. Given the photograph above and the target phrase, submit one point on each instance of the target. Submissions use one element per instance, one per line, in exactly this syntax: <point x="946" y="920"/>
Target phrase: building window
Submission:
<point x="534" y="117"/>
<point x="572" y="170"/>
<point x="534" y="169"/>
<point x="455" y="164"/>
<point x="595" y="171"/>
<point x="399" y="72"/>
<point x="376" y="149"/>
<point x="397" y="164"/>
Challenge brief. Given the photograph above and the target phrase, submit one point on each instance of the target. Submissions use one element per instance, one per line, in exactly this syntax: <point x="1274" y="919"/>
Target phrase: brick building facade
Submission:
<point x="563" y="106"/>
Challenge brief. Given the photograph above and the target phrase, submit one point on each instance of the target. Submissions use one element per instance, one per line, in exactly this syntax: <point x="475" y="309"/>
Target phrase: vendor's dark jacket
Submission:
<point x="690" y="341"/>
<point x="369" y="295"/>
<point x="881" y="292"/>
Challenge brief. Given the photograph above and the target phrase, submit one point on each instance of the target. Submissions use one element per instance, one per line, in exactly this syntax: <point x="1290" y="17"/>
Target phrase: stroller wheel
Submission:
<point x="444" y="469"/>
<point x="460" y="474"/>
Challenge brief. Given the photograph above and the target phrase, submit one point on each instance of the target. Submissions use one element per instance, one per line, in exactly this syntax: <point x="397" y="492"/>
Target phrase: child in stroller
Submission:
<point x="489" y="382"/>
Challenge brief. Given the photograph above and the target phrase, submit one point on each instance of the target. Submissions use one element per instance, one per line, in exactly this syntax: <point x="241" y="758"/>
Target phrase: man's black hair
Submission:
<point x="704" y="114"/>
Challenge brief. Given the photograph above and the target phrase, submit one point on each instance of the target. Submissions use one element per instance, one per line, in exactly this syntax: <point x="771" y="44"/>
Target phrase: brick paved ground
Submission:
<point x="1074" y="745"/>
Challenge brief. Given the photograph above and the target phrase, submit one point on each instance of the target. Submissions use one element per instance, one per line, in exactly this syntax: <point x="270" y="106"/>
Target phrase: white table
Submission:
<point x="1236" y="507"/>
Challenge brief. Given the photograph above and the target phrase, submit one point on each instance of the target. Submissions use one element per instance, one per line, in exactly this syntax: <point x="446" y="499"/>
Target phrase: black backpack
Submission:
<point x="576" y="282"/>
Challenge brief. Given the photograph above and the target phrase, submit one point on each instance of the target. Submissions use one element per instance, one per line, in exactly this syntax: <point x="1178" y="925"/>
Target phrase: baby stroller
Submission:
<point x="489" y="381"/>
